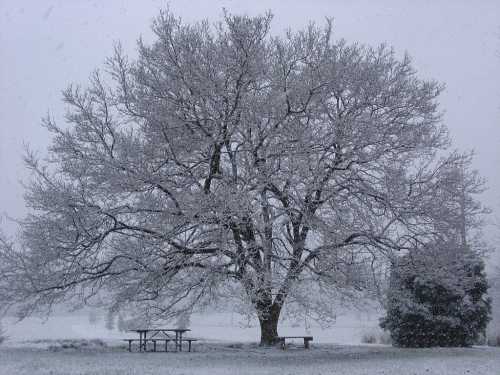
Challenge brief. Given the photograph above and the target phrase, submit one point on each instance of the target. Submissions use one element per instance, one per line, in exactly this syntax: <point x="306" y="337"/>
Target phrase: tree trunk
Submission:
<point x="268" y="319"/>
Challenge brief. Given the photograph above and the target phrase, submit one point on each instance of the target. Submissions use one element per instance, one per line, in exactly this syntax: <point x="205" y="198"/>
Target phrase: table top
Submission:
<point x="160" y="330"/>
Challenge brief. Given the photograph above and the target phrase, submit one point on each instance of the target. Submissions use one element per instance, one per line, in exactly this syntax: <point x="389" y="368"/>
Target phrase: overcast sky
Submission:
<point x="45" y="45"/>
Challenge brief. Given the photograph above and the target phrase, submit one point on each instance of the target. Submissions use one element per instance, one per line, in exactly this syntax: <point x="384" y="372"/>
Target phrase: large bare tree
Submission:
<point x="223" y="160"/>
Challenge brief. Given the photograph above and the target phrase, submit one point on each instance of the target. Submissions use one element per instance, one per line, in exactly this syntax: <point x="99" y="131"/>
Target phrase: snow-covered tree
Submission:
<point x="438" y="292"/>
<point x="225" y="162"/>
<point x="437" y="298"/>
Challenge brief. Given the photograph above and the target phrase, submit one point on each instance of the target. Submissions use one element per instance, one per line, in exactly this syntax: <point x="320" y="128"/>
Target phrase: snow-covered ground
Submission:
<point x="228" y="346"/>
<point x="249" y="359"/>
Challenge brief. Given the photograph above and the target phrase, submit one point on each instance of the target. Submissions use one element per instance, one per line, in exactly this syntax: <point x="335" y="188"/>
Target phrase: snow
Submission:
<point x="249" y="359"/>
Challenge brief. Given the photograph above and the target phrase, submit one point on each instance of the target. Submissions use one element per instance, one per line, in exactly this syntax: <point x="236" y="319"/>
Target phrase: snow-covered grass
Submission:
<point x="249" y="359"/>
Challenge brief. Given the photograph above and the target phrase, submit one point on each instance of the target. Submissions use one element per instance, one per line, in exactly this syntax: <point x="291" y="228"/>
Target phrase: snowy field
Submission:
<point x="251" y="360"/>
<point x="72" y="345"/>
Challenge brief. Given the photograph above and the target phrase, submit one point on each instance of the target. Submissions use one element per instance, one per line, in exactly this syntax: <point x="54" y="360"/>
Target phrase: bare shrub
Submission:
<point x="384" y="338"/>
<point x="76" y="344"/>
<point x="369" y="338"/>
<point x="376" y="336"/>
<point x="493" y="338"/>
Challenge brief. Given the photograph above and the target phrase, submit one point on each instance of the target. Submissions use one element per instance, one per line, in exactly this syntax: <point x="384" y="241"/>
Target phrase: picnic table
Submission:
<point x="155" y="334"/>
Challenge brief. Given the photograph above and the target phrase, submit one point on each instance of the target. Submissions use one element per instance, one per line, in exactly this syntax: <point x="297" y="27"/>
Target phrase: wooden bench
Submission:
<point x="282" y="340"/>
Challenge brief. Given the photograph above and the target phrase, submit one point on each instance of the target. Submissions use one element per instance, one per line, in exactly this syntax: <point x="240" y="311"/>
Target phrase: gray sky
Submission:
<point x="45" y="45"/>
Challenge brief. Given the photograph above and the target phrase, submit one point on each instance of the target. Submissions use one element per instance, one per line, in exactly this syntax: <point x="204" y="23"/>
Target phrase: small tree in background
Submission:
<point x="184" y="320"/>
<point x="93" y="317"/>
<point x="110" y="320"/>
<point x="437" y="300"/>
<point x="122" y="324"/>
<point x="2" y="333"/>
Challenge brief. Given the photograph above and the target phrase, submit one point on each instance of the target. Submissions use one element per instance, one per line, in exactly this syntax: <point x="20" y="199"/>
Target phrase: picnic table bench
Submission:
<point x="282" y="340"/>
<point x="154" y="341"/>
<point x="161" y="335"/>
